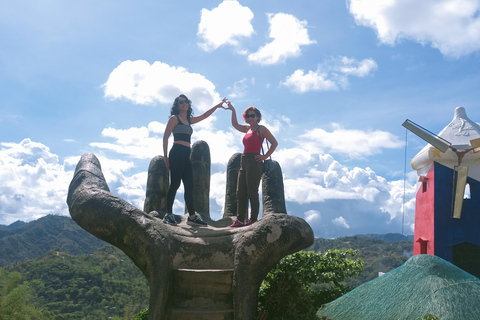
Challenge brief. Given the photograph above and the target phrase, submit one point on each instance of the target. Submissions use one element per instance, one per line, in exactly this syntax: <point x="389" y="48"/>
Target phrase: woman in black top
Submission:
<point x="178" y="161"/>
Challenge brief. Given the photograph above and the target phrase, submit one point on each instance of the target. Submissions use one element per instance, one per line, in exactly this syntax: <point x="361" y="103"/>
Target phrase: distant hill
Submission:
<point x="14" y="225"/>
<point x="394" y="237"/>
<point x="22" y="241"/>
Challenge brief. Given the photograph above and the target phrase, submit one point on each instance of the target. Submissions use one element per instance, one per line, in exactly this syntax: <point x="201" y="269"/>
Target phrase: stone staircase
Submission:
<point x="201" y="294"/>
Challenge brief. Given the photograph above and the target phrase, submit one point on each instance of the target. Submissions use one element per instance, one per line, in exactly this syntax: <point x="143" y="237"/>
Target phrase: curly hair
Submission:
<point x="175" y="110"/>
<point x="257" y="112"/>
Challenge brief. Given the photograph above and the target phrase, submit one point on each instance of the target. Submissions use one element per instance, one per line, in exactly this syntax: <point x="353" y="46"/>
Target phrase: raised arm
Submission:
<point x="207" y="113"/>
<point x="172" y="122"/>
<point x="235" y="124"/>
<point x="264" y="132"/>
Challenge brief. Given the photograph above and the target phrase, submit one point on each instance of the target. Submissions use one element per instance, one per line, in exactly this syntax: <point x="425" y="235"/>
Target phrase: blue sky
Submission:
<point x="334" y="80"/>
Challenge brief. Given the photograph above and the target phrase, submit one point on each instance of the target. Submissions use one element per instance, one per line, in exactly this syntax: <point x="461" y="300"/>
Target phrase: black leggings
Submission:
<point x="180" y="169"/>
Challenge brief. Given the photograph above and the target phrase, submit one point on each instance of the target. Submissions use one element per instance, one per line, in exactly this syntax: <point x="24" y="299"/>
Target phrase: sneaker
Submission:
<point x="169" y="218"/>
<point x="196" y="221"/>
<point x="237" y="224"/>
<point x="250" y="222"/>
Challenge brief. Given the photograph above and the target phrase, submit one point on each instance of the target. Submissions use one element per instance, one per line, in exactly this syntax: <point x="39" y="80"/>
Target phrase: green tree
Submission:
<point x="300" y="283"/>
<point x="15" y="299"/>
<point x="142" y="315"/>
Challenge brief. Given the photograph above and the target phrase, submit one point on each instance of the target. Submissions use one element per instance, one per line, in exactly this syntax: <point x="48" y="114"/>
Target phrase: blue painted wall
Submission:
<point x="450" y="231"/>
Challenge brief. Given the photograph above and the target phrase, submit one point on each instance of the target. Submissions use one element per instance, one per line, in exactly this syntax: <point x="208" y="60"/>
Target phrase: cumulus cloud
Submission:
<point x="311" y="81"/>
<point x="134" y="188"/>
<point x="340" y="221"/>
<point x="350" y="66"/>
<point x="331" y="75"/>
<point x="222" y="144"/>
<point x="141" y="143"/>
<point x="312" y="216"/>
<point x="218" y="182"/>
<point x="353" y="143"/>
<point x="314" y="178"/>
<point x="146" y="84"/>
<point x="146" y="142"/>
<point x="224" y="25"/>
<point x="288" y="34"/>
<point x="33" y="182"/>
<point x="239" y="89"/>
<point x="451" y="26"/>
<point x="336" y="182"/>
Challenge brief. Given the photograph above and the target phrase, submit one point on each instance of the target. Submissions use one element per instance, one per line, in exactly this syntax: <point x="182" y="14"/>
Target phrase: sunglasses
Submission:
<point x="182" y="101"/>
<point x="251" y="115"/>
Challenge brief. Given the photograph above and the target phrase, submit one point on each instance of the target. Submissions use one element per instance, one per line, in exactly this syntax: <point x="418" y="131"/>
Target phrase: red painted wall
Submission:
<point x="425" y="216"/>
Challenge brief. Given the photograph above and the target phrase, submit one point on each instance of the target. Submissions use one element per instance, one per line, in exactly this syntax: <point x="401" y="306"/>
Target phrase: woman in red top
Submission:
<point x="251" y="164"/>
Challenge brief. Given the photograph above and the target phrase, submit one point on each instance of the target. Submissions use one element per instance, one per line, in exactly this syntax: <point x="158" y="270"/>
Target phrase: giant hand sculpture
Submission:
<point x="237" y="259"/>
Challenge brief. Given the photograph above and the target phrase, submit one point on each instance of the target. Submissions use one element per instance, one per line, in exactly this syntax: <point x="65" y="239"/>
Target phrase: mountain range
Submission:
<point x="22" y="241"/>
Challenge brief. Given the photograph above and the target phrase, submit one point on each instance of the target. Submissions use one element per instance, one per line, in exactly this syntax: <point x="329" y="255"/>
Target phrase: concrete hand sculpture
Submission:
<point x="210" y="272"/>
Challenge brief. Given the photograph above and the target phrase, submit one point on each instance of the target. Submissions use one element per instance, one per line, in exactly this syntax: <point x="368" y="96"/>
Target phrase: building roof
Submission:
<point x="458" y="132"/>
<point x="425" y="284"/>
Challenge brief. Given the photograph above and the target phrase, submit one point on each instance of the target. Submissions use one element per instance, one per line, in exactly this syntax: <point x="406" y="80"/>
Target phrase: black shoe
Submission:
<point x="195" y="221"/>
<point x="169" y="218"/>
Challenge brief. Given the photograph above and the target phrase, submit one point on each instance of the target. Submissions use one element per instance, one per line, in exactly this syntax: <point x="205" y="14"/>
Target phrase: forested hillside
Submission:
<point x="102" y="285"/>
<point x="22" y="241"/>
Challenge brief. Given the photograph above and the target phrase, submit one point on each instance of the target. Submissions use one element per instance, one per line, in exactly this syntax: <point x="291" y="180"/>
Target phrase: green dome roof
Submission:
<point x="425" y="284"/>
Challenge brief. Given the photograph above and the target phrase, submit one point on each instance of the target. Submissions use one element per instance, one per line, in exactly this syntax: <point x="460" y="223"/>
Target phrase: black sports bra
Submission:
<point x="182" y="132"/>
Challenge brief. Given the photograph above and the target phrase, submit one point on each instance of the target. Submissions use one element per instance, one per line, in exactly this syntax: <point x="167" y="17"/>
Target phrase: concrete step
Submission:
<point x="192" y="314"/>
<point x="208" y="290"/>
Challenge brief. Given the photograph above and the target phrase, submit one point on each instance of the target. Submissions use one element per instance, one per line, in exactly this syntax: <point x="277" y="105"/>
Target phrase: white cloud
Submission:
<point x="222" y="144"/>
<point x="312" y="216"/>
<point x="311" y="176"/>
<point x="395" y="205"/>
<point x="332" y="74"/>
<point x="352" y="143"/>
<point x="288" y="34"/>
<point x="146" y="84"/>
<point x="134" y="188"/>
<point x="32" y="182"/>
<point x="451" y="26"/>
<point x="141" y="143"/>
<point x="114" y="170"/>
<point x="307" y="190"/>
<point x="350" y="66"/>
<point x="239" y="89"/>
<point x="147" y="142"/>
<point x="294" y="157"/>
<point x="218" y="182"/>
<point x="340" y="221"/>
<point x="224" y="25"/>
<point x="338" y="182"/>
<point x="312" y="81"/>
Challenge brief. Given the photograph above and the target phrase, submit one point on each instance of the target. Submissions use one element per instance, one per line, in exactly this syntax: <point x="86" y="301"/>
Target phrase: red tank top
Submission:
<point x="252" y="143"/>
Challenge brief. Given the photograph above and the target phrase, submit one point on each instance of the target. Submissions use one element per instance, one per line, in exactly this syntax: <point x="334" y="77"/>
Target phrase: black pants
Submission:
<point x="180" y="170"/>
